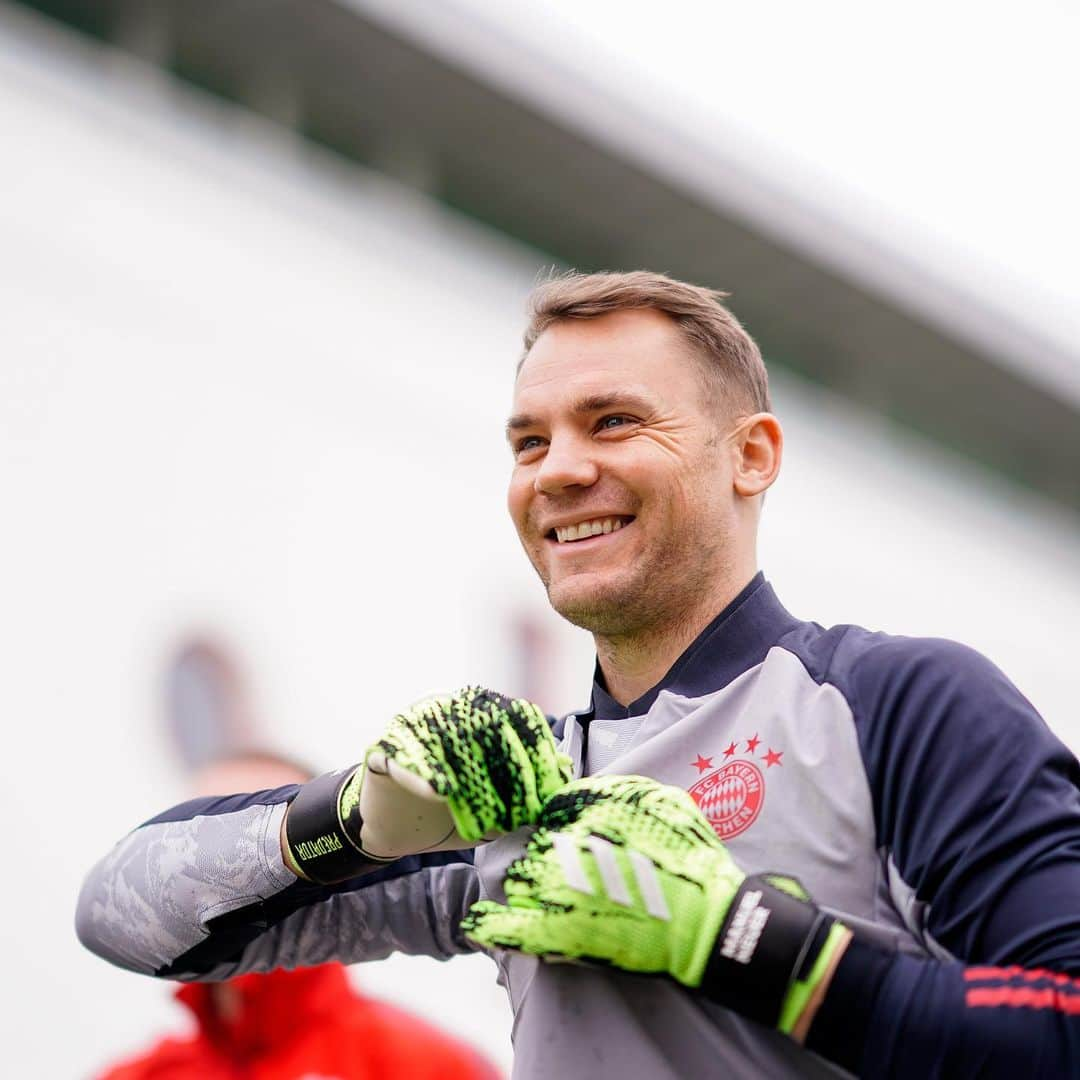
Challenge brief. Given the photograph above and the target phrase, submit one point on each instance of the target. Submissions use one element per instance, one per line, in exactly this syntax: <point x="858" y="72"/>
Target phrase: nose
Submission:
<point x="568" y="463"/>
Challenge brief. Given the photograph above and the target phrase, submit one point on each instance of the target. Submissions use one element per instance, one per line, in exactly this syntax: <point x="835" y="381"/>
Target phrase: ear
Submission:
<point x="758" y="447"/>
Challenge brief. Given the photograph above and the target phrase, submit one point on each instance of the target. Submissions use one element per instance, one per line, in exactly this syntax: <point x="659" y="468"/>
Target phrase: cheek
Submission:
<point x="682" y="502"/>
<point x="667" y="487"/>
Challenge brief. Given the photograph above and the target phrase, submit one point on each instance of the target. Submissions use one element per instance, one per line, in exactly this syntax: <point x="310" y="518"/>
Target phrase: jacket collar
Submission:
<point x="735" y="641"/>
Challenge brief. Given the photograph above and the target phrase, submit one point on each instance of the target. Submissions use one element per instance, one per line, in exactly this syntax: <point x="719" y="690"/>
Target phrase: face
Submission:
<point x="621" y="491"/>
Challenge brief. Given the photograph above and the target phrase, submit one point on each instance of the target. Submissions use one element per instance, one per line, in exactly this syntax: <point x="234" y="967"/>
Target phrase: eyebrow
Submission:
<point x="588" y="404"/>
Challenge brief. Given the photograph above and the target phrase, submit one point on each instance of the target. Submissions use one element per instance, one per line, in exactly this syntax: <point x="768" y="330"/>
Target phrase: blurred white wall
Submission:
<point x="248" y="388"/>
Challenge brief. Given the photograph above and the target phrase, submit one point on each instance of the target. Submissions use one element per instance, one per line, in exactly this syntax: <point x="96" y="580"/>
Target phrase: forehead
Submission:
<point x="640" y="351"/>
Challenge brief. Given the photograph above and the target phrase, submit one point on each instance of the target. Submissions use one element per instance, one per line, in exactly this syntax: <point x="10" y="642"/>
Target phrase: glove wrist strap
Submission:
<point x="319" y="841"/>
<point x="768" y="940"/>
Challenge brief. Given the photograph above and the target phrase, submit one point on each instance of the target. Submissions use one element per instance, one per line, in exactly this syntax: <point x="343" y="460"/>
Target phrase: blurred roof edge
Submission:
<point x="447" y="104"/>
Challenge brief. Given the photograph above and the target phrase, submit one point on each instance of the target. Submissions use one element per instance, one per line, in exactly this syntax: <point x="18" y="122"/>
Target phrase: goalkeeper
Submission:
<point x="786" y="851"/>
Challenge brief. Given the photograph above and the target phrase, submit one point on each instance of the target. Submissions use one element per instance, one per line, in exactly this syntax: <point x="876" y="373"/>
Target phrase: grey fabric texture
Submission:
<point x="148" y="901"/>
<point x="610" y="739"/>
<point x="417" y="914"/>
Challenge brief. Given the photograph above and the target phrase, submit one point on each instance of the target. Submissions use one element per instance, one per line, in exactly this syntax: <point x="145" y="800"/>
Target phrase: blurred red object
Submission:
<point x="299" y="1025"/>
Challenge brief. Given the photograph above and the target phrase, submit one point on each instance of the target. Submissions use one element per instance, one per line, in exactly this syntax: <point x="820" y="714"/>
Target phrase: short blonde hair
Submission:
<point x="731" y="359"/>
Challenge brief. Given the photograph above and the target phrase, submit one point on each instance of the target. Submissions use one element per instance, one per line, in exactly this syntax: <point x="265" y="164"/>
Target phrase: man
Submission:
<point x="294" y="1025"/>
<point x="915" y="795"/>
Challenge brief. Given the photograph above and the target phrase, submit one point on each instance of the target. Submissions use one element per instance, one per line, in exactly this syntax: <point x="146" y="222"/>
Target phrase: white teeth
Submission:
<point x="584" y="529"/>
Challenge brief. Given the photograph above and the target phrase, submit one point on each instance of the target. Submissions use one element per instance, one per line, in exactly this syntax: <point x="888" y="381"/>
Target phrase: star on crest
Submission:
<point x="752" y="744"/>
<point x="730" y="750"/>
<point x="702" y="764"/>
<point x="773" y="757"/>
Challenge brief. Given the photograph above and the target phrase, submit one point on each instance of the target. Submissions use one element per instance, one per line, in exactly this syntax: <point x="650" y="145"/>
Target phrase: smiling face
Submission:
<point x="622" y="490"/>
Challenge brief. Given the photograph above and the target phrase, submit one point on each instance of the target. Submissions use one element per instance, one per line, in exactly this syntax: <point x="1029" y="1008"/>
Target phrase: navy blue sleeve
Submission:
<point x="976" y="802"/>
<point x="977" y="808"/>
<point x="897" y="1016"/>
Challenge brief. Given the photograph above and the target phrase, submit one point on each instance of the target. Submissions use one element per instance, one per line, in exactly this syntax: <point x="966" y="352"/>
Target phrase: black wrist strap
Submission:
<point x="317" y="838"/>
<point x="769" y="938"/>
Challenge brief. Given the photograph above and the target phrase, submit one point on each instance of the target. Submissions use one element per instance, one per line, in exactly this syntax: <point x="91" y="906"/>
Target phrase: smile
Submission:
<point x="583" y="530"/>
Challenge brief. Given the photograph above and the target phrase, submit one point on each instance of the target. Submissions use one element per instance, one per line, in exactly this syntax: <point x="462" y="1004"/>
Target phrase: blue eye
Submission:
<point x="612" y="422"/>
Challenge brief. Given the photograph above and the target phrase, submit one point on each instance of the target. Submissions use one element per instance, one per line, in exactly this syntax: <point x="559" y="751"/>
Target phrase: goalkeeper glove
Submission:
<point x="626" y="871"/>
<point x="447" y="774"/>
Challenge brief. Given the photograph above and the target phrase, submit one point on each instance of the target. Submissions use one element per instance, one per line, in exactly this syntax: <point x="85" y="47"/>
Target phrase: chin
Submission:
<point x="600" y="609"/>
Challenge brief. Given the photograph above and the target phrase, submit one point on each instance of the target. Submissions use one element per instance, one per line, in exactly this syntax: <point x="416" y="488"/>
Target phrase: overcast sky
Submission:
<point x="948" y="128"/>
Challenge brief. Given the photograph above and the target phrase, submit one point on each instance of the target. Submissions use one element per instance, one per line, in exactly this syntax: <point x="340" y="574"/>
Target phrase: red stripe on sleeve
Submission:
<point x="1022" y="997"/>
<point x="998" y="974"/>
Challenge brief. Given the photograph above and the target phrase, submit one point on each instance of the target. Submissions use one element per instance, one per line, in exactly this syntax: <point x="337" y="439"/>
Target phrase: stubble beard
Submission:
<point x="655" y="596"/>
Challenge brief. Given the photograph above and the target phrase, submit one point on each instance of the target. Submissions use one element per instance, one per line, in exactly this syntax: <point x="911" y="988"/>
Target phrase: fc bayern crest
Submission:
<point x="731" y="797"/>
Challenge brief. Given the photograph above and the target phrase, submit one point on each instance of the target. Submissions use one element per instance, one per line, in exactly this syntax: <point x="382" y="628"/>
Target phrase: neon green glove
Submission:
<point x="453" y="771"/>
<point x="625" y="871"/>
<point x="447" y="774"/>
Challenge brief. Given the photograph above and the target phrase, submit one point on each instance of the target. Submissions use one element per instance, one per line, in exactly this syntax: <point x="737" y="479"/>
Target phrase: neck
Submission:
<point x="634" y="663"/>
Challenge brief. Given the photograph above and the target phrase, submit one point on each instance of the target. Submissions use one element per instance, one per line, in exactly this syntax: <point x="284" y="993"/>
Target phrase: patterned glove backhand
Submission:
<point x="453" y="771"/>
<point x="625" y="871"/>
